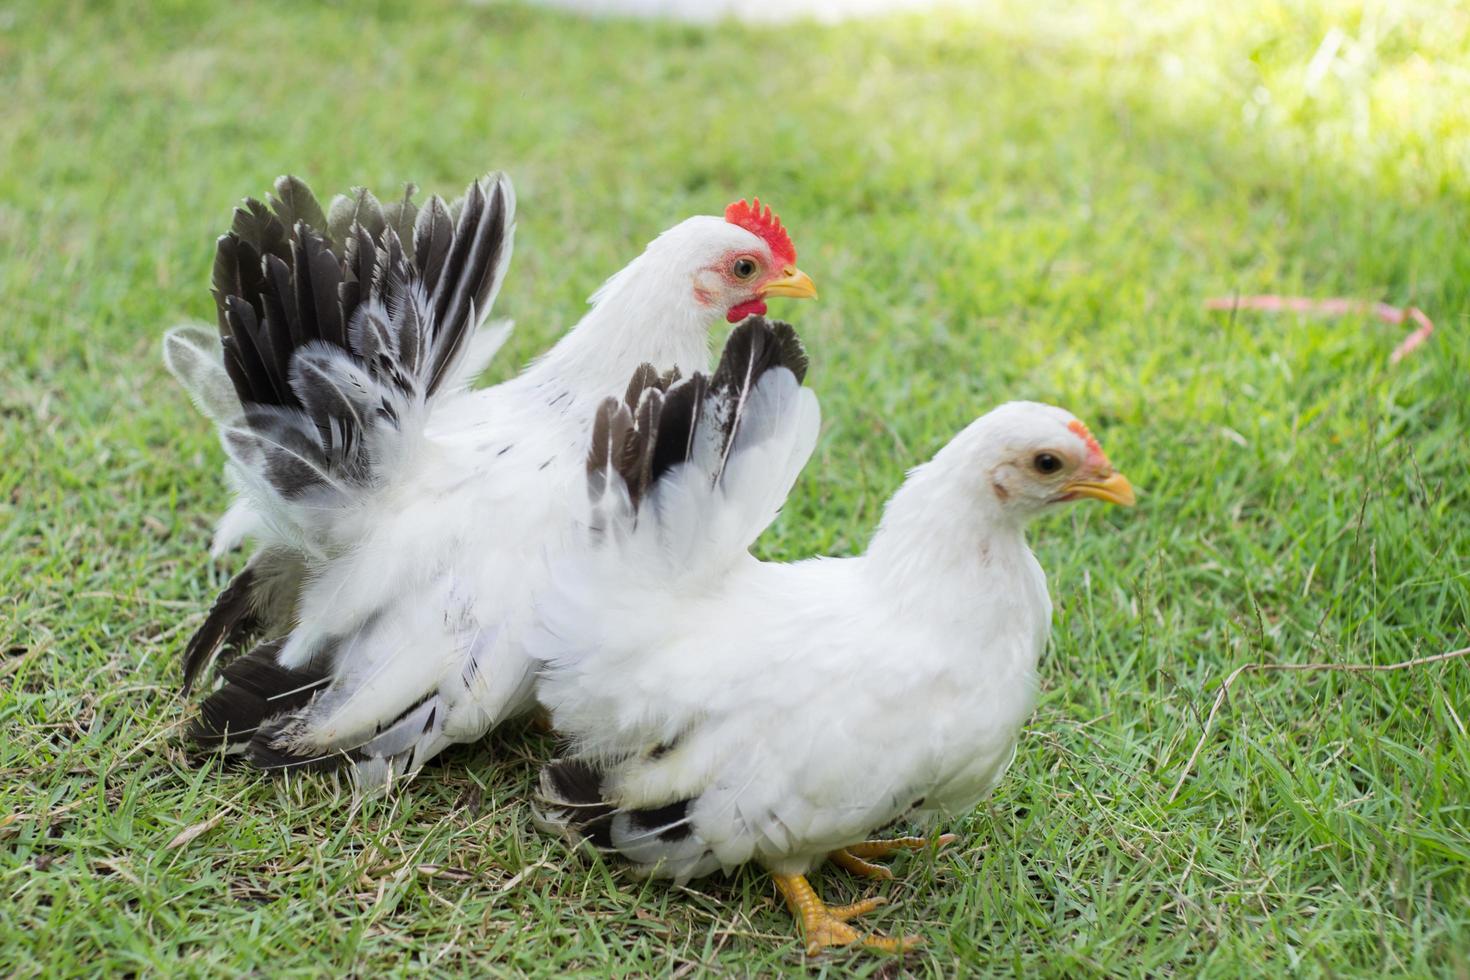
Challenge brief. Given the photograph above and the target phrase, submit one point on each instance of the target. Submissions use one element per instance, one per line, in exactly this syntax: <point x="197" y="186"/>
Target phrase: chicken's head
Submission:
<point x="758" y="264"/>
<point x="723" y="267"/>
<point x="1033" y="456"/>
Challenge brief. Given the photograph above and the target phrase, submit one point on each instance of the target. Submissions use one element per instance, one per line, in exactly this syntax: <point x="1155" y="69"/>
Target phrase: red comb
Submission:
<point x="1085" y="434"/>
<point x="763" y="224"/>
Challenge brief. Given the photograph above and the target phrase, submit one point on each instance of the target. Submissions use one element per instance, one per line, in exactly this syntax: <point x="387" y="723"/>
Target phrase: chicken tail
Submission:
<point x="336" y="331"/>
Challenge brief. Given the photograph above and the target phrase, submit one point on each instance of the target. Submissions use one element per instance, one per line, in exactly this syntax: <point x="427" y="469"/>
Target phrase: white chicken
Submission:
<point x="724" y="710"/>
<point x="403" y="524"/>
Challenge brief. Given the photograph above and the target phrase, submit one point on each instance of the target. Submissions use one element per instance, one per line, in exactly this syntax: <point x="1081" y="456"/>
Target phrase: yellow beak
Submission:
<point x="1114" y="490"/>
<point x="795" y="283"/>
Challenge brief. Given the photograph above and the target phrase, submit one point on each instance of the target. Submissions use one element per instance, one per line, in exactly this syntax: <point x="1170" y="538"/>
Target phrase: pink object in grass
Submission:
<point x="1336" y="306"/>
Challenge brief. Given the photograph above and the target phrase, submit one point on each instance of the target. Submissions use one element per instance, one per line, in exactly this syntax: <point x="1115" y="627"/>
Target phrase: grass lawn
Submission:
<point x="1032" y="201"/>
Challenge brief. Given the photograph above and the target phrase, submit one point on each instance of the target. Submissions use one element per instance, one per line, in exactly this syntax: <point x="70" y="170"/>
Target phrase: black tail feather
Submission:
<point x="332" y="324"/>
<point x="358" y="209"/>
<point x="291" y="282"/>
<point x="303" y="276"/>
<point x="573" y="789"/>
<point x="294" y="202"/>
<point x="230" y="620"/>
<point x="257" y="688"/>
<point x="572" y="792"/>
<point x="268" y="750"/>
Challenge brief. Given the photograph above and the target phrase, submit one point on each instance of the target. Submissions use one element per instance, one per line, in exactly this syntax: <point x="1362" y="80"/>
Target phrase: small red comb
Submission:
<point x="765" y="225"/>
<point x="1094" y="451"/>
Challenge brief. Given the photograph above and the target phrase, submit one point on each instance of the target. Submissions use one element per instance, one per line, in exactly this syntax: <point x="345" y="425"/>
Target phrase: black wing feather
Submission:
<point x="657" y="424"/>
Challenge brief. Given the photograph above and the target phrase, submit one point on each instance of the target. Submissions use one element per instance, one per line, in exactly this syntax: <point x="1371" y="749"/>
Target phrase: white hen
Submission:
<point x="403" y="525"/>
<point x="725" y="710"/>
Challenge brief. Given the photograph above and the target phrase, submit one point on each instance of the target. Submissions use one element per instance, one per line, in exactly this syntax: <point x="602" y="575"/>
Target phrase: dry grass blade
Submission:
<point x="1337" y="668"/>
<point x="194" y="832"/>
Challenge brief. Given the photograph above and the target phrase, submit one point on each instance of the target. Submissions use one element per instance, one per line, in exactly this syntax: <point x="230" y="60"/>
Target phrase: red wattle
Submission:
<point x="755" y="307"/>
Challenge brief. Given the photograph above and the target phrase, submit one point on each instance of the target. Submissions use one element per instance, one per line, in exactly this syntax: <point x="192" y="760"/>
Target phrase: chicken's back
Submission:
<point x="797" y="708"/>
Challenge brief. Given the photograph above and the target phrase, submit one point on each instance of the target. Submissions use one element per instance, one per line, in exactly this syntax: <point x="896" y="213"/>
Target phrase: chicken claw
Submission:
<point x="826" y="926"/>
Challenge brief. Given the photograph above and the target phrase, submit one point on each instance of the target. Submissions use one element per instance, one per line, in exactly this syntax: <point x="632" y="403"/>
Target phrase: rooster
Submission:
<point x="403" y="525"/>
<point x="724" y="710"/>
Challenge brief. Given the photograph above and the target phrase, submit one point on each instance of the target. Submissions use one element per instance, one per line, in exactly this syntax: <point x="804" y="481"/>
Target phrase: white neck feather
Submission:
<point x="945" y="528"/>
<point x="643" y="314"/>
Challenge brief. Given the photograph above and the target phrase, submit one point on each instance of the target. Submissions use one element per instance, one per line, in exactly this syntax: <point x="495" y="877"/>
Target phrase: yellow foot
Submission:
<point x="850" y="862"/>
<point x="854" y="858"/>
<point x="826" y="926"/>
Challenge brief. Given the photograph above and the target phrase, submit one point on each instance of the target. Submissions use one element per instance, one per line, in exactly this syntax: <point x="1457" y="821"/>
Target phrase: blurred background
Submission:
<point x="748" y="11"/>
<point x="1001" y="199"/>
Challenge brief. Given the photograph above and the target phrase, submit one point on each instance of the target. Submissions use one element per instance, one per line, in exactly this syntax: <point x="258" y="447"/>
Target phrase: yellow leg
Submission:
<point x="827" y="926"/>
<point x="853" y="858"/>
<point x="883" y="848"/>
<point x="853" y="864"/>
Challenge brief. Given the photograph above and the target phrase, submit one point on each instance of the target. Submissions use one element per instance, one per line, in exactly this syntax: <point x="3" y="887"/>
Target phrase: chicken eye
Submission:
<point x="1046" y="463"/>
<point x="743" y="268"/>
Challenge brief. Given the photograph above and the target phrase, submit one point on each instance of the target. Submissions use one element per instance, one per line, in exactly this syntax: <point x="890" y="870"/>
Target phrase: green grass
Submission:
<point x="1029" y="202"/>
